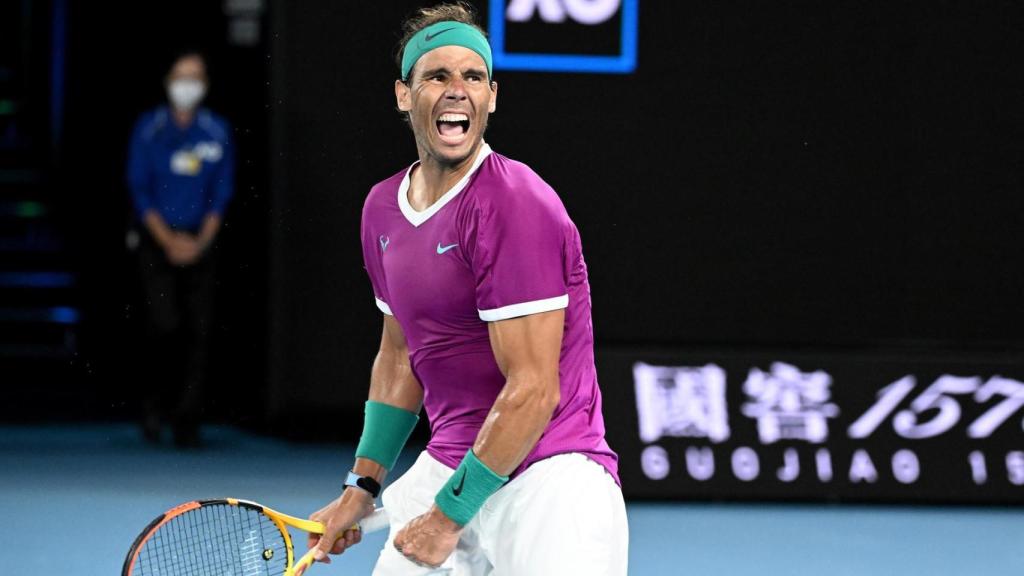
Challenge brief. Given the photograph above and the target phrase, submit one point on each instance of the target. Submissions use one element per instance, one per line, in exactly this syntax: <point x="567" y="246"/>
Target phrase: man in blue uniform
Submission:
<point x="181" y="177"/>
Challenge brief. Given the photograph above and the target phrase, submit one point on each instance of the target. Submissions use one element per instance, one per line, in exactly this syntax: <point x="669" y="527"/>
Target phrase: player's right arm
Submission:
<point x="391" y="379"/>
<point x="392" y="386"/>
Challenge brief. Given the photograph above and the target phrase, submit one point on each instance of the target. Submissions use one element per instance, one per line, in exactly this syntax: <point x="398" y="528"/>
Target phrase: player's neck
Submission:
<point x="432" y="179"/>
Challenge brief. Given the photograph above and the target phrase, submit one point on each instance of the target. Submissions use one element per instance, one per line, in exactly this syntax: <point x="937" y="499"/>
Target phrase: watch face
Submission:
<point x="365" y="482"/>
<point x="370" y="485"/>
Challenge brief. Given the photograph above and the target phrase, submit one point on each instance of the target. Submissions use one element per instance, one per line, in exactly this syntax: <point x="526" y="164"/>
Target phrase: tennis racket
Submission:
<point x="227" y="537"/>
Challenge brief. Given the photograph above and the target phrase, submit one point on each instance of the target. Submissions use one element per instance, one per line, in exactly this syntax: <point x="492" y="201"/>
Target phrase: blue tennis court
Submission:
<point x="74" y="497"/>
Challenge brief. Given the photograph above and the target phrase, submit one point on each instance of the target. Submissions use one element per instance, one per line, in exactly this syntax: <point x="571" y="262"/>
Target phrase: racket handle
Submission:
<point x="374" y="522"/>
<point x="378" y="520"/>
<point x="303" y="563"/>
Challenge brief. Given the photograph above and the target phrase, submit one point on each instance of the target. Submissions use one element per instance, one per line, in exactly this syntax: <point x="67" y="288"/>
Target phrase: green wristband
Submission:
<point x="385" y="431"/>
<point x="467" y="489"/>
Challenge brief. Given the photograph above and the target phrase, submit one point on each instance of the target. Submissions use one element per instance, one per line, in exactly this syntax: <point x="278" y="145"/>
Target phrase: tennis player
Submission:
<point x="479" y="273"/>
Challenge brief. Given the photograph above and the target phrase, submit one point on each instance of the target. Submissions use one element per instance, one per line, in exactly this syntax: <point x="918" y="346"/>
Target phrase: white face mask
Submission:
<point x="186" y="94"/>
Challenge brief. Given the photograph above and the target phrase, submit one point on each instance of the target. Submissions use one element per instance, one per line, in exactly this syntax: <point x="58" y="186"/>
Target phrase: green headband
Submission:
<point x="446" y="33"/>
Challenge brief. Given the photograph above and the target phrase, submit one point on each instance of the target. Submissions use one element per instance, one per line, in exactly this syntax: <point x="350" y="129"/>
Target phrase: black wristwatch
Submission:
<point x="365" y="482"/>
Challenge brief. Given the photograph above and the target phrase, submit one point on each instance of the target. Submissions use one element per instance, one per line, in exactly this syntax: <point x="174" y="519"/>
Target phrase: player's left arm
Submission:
<point x="527" y="350"/>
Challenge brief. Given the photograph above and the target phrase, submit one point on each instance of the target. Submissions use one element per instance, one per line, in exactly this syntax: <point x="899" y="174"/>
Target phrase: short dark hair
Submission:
<point x="457" y="11"/>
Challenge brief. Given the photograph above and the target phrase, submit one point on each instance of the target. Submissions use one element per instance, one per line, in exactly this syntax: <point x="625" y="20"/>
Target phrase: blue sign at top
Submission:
<point x="584" y="12"/>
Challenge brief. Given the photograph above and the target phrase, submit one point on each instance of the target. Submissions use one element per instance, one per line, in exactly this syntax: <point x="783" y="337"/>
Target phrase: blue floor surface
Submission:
<point x="72" y="499"/>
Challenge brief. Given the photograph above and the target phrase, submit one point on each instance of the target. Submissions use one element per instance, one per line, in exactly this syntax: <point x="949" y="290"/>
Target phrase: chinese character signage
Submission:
<point x="816" y="427"/>
<point x="680" y="401"/>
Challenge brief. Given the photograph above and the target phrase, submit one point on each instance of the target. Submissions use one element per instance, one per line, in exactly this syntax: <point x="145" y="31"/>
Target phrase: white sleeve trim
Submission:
<point x="524" y="309"/>
<point x="383" y="307"/>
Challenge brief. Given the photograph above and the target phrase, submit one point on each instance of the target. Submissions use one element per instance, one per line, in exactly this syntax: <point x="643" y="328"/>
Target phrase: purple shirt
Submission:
<point x="498" y="245"/>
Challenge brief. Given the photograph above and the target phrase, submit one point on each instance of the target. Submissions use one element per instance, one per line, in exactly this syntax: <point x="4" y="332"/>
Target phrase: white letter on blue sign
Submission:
<point x="553" y="11"/>
<point x="592" y="11"/>
<point x="700" y="463"/>
<point x="905" y="467"/>
<point x="791" y="466"/>
<point x="654" y="461"/>
<point x="862" y="468"/>
<point x="745" y="464"/>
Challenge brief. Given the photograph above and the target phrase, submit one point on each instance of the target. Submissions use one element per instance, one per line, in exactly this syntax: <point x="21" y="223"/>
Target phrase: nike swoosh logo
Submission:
<point x="443" y="249"/>
<point x="430" y="37"/>
<point x="458" y="489"/>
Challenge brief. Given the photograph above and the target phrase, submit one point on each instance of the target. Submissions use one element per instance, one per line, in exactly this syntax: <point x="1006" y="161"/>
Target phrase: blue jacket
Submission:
<point x="183" y="174"/>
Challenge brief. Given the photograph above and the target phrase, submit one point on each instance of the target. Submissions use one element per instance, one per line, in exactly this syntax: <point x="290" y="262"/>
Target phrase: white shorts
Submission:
<point x="563" y="515"/>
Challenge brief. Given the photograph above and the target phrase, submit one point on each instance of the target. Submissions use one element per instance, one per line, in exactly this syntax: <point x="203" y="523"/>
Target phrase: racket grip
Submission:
<point x="303" y="563"/>
<point x="378" y="520"/>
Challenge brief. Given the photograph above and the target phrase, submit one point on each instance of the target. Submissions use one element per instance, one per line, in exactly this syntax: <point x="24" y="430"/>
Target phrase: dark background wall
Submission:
<point x="100" y="67"/>
<point x="838" y="176"/>
<point x="116" y="66"/>
<point x="805" y="175"/>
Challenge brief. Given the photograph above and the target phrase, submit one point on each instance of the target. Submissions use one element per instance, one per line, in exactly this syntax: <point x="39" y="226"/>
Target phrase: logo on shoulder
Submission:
<point x="384" y="241"/>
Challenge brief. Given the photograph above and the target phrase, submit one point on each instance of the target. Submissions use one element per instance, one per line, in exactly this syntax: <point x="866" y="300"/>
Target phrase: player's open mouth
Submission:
<point x="452" y="125"/>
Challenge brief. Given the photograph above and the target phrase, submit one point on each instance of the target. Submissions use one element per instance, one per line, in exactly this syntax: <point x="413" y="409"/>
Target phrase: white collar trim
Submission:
<point x="416" y="217"/>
